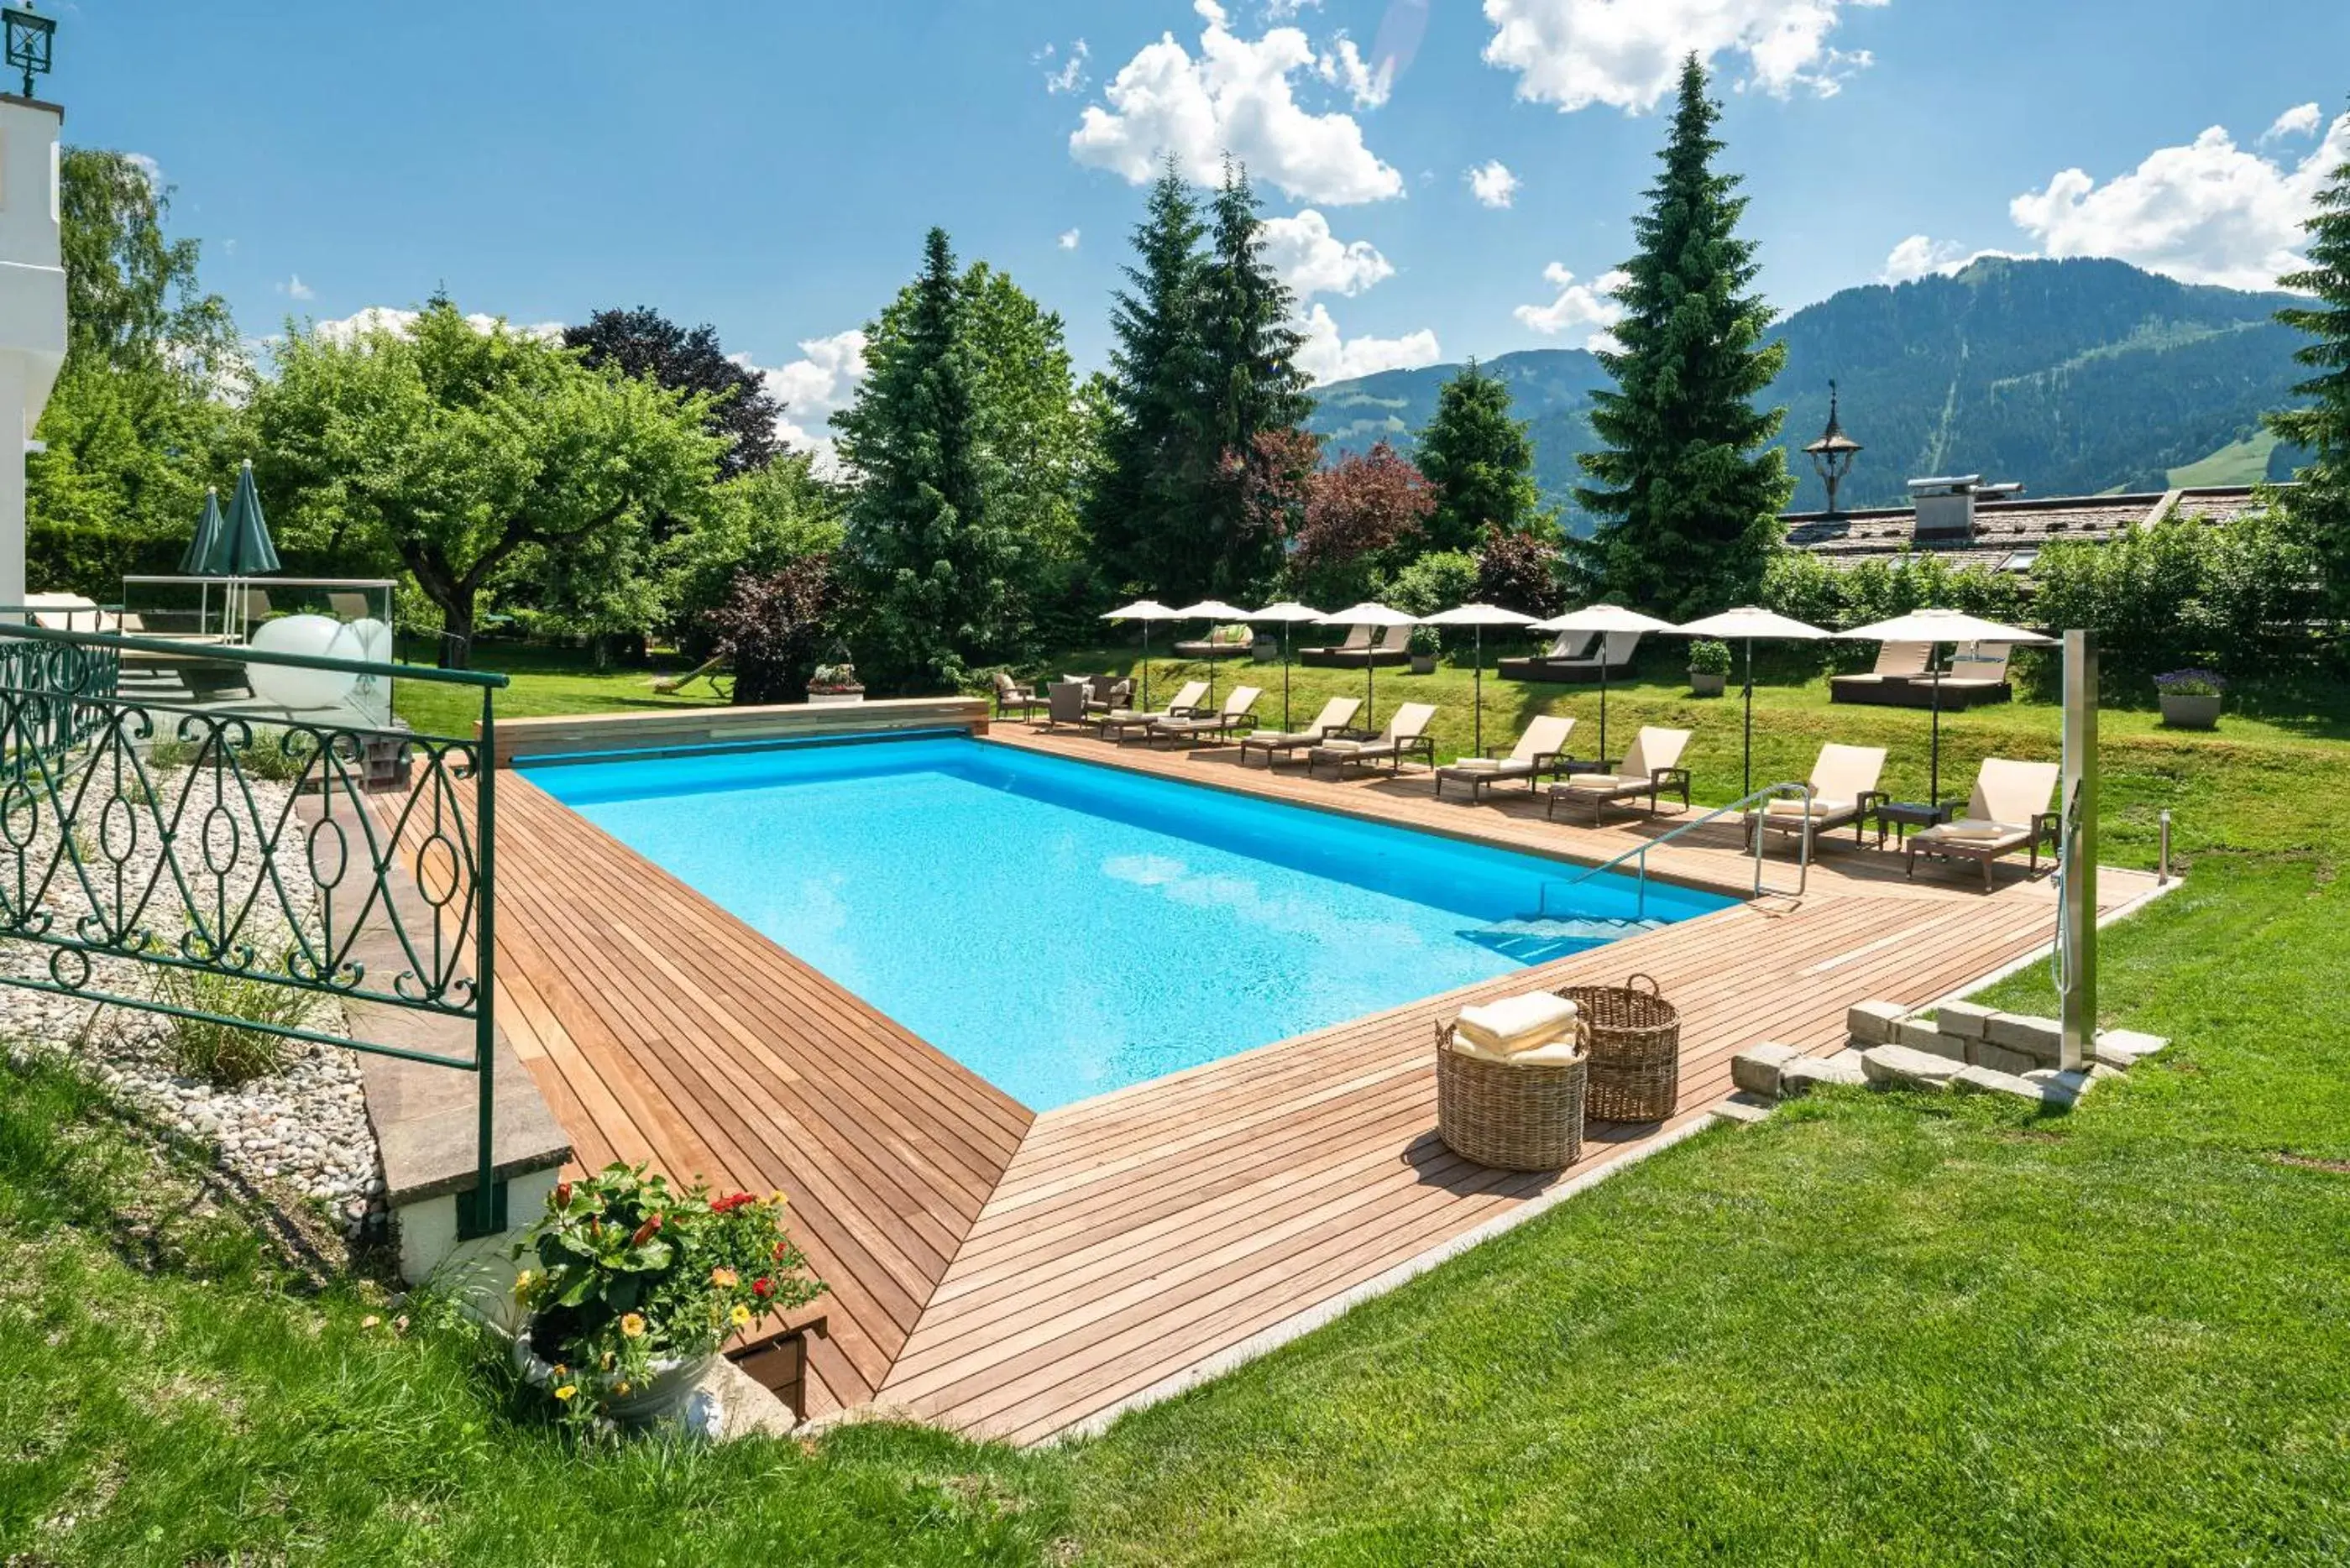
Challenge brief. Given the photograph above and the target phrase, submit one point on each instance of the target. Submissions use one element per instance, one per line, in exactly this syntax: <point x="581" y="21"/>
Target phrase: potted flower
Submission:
<point x="1708" y="667"/>
<point x="835" y="684"/>
<point x="1425" y="645"/>
<point x="634" y="1286"/>
<point x="2190" y="698"/>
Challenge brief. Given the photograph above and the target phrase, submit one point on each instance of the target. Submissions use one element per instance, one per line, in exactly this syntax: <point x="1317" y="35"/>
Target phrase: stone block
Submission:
<point x="2126" y="1047"/>
<point x="1964" y="1020"/>
<point x="1999" y="1058"/>
<point x="1904" y="1067"/>
<point x="1873" y="1022"/>
<point x="2040" y="1037"/>
<point x="1756" y="1068"/>
<point x="1918" y="1035"/>
<point x="1802" y="1074"/>
<point x="1745" y="1108"/>
<point x="1985" y="1081"/>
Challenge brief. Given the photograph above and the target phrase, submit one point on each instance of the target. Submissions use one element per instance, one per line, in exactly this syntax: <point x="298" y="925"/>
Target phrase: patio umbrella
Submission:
<point x="1285" y="615"/>
<point x="1747" y="623"/>
<point x="1368" y="614"/>
<point x="1146" y="611"/>
<point x="243" y="548"/>
<point x="1478" y="618"/>
<point x="1935" y="625"/>
<point x="1211" y="611"/>
<point x="1603" y="619"/>
<point x="200" y="549"/>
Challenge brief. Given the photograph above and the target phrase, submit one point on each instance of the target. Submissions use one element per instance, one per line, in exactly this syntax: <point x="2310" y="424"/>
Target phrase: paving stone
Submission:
<point x="2040" y="1037"/>
<point x="1802" y="1074"/>
<point x="1873" y="1022"/>
<point x="1999" y="1058"/>
<point x="1984" y="1081"/>
<point x="1744" y="1108"/>
<point x="2126" y="1047"/>
<point x="1756" y="1068"/>
<point x="1963" y="1018"/>
<point x="1903" y="1066"/>
<point x="1922" y="1036"/>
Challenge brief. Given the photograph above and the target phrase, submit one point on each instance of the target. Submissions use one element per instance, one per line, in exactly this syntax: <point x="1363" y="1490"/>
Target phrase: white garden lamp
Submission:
<point x="1285" y="615"/>
<point x="1211" y="611"/>
<point x="1745" y="624"/>
<point x="1477" y="618"/>
<point x="1146" y="611"/>
<point x="1935" y="625"/>
<point x="1368" y="614"/>
<point x="1603" y="620"/>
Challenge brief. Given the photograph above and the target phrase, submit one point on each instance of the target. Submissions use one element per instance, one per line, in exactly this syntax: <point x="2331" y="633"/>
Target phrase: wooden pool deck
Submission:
<point x="1019" y="1276"/>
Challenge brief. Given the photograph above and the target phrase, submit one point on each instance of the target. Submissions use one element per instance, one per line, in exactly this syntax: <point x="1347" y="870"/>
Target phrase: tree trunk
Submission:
<point x="456" y="626"/>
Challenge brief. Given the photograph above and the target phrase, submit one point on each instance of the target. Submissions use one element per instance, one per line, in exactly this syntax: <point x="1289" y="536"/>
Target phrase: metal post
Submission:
<point x="2077" y="930"/>
<point x="2162" y="872"/>
<point x="487" y="1219"/>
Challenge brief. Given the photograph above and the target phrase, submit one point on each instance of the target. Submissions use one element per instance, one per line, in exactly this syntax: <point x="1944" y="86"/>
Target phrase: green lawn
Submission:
<point x="545" y="681"/>
<point x="1874" y="1329"/>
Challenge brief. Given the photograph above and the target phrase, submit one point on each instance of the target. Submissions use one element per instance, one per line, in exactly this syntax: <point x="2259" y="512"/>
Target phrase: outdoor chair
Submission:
<point x="1064" y="704"/>
<point x="1116" y="724"/>
<point x="1359" y="641"/>
<point x="1234" y="714"/>
<point x="1011" y="694"/>
<point x="1539" y="750"/>
<point x="1843" y="789"/>
<point x="1898" y="663"/>
<point x="1407" y="732"/>
<point x="1651" y="767"/>
<point x="1337" y="715"/>
<point x="2007" y="812"/>
<point x="1577" y="656"/>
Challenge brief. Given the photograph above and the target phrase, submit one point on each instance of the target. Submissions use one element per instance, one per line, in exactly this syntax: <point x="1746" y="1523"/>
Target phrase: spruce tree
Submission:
<point x="1480" y="463"/>
<point x="1252" y="386"/>
<point x="1155" y="459"/>
<point x="935" y="558"/>
<point x="1686" y="486"/>
<point x="2321" y="502"/>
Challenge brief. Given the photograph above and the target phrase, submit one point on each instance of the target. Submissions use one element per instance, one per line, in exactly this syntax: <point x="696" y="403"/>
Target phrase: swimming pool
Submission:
<point x="1064" y="929"/>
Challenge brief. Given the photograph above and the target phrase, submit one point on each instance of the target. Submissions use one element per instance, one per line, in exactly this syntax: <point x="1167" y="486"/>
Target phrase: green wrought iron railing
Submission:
<point x="140" y="838"/>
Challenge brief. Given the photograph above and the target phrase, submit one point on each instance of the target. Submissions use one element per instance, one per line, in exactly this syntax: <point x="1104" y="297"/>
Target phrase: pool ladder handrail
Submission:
<point x="1640" y="853"/>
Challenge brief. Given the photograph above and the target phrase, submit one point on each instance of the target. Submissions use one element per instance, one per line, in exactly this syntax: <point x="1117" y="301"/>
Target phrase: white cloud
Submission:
<point x="2302" y="120"/>
<point x="812" y="389"/>
<point x="1325" y="356"/>
<point x="1069" y="75"/>
<point x="1312" y="260"/>
<point x="1493" y="184"/>
<point x="1069" y="237"/>
<point x="1236" y="98"/>
<point x="147" y="166"/>
<point x="294" y="288"/>
<point x="2209" y="211"/>
<point x="1343" y="66"/>
<point x="1578" y="306"/>
<point x="390" y="318"/>
<point x="1282" y="10"/>
<point x="1918" y="255"/>
<point x="1628" y="54"/>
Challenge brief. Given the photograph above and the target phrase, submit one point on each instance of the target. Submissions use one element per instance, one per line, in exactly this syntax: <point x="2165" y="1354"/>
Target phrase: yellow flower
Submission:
<point x="742" y="1315"/>
<point x="722" y="1278"/>
<point x="369" y="1321"/>
<point x="777" y="1198"/>
<point x="622" y="1387"/>
<point x="566" y="1391"/>
<point x="523" y="1282"/>
<point x="632" y="1325"/>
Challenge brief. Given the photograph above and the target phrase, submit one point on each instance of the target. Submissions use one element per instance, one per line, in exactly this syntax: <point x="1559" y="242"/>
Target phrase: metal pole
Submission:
<point x="2162" y="870"/>
<point x="1478" y="682"/>
<point x="1146" y="667"/>
<point x="486" y="1217"/>
<point x="2077" y="930"/>
<point x="1603" y="698"/>
<point x="1285" y="678"/>
<point x="1747" y="782"/>
<point x="1934" y="779"/>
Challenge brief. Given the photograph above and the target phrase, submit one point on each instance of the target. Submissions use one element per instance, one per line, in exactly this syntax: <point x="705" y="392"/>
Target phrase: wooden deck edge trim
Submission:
<point x="1326" y="1311"/>
<point x="684" y="730"/>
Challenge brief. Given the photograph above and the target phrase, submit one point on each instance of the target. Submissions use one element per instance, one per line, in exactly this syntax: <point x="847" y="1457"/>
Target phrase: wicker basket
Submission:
<point x="1635" y="1050"/>
<point x="1507" y="1116"/>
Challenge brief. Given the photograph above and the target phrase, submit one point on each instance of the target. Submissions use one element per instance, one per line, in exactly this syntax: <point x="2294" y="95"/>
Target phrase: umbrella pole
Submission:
<point x="1211" y="667"/>
<point x="1146" y="667"/>
<point x="1285" y="678"/>
<point x="1749" y="785"/>
<point x="1479" y="679"/>
<point x="1602" y="701"/>
<point x="1370" y="693"/>
<point x="1934" y="774"/>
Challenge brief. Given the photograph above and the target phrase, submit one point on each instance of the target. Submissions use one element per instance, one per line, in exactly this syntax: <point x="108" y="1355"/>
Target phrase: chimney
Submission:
<point x="1946" y="508"/>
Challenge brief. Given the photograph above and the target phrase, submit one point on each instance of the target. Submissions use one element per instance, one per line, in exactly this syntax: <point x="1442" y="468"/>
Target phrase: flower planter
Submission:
<point x="667" y="1396"/>
<point x="844" y="694"/>
<point x="1424" y="664"/>
<point x="1707" y="683"/>
<point x="2190" y="711"/>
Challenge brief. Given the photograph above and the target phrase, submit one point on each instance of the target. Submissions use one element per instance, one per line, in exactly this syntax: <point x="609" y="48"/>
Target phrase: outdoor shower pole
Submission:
<point x="2076" y="928"/>
<point x="487" y="1219"/>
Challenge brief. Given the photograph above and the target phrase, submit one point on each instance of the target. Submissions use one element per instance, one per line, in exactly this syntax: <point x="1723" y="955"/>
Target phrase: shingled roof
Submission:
<point x="2008" y="534"/>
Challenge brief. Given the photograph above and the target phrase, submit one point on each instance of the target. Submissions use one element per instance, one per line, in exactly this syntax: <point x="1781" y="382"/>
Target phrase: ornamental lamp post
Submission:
<point x="1832" y="453"/>
<point x="29" y="36"/>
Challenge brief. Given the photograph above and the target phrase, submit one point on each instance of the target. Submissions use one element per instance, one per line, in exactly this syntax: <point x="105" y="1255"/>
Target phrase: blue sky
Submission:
<point x="771" y="168"/>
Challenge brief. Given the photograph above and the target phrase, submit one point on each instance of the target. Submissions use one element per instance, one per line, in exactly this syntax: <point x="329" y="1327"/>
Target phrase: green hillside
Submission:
<point x="2074" y="376"/>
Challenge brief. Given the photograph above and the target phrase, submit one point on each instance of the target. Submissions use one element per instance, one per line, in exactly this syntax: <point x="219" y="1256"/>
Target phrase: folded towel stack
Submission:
<point x="1534" y="1030"/>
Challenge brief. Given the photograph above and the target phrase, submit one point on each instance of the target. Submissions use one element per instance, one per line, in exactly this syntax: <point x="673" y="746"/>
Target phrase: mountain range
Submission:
<point x="2073" y="377"/>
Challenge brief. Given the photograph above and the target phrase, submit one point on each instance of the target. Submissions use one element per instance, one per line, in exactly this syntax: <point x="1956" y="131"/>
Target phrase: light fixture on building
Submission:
<point x="1832" y="453"/>
<point x="29" y="36"/>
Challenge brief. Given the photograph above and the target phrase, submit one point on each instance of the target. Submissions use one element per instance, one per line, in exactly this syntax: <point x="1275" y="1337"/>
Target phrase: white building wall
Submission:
<point x="32" y="307"/>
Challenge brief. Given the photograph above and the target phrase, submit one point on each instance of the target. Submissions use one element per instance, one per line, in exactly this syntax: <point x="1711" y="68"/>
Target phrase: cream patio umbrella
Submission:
<point x="1146" y="611"/>
<point x="1604" y="619"/>
<point x="1368" y="614"/>
<point x="1285" y="615"/>
<point x="1938" y="626"/>
<point x="1747" y="623"/>
<point x="1478" y="618"/>
<point x="1211" y="611"/>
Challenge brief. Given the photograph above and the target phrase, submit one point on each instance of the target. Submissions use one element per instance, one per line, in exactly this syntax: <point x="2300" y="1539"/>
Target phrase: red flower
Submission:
<point x="646" y="1232"/>
<point x="777" y="1253"/>
<point x="728" y="1205"/>
<point x="563" y="1195"/>
<point x="763" y="1288"/>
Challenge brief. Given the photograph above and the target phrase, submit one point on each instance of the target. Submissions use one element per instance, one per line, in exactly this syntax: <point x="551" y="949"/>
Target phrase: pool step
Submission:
<point x="1532" y="938"/>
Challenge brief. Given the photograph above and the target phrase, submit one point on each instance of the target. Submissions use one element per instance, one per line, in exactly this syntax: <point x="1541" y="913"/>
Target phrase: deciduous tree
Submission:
<point x="1363" y="517"/>
<point x="644" y="342"/>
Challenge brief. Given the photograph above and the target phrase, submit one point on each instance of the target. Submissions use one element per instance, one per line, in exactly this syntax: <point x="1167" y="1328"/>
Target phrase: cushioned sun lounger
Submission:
<point x="1114" y="725"/>
<point x="1651" y="767"/>
<point x="1406" y="733"/>
<point x="1337" y="715"/>
<point x="1233" y="715"/>
<point x="1538" y="751"/>
<point x="1843" y="789"/>
<point x="2007" y="812"/>
<point x="1896" y="662"/>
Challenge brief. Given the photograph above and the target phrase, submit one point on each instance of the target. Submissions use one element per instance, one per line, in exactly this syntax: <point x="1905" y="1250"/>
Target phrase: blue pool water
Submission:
<point x="1064" y="929"/>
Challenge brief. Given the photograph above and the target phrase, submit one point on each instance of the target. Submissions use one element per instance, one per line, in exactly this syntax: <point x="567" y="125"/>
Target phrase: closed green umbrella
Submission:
<point x="244" y="548"/>
<point x="207" y="539"/>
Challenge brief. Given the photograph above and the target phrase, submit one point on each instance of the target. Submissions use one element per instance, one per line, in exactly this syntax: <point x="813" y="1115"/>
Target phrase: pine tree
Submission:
<point x="1481" y="463"/>
<point x="1155" y="456"/>
<point x="934" y="556"/>
<point x="2320" y="503"/>
<point x="1688" y="491"/>
<point x="1253" y="387"/>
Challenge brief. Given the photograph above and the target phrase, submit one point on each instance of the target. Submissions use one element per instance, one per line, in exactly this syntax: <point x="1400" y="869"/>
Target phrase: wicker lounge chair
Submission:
<point x="1393" y="646"/>
<point x="1538" y="751"/>
<point x="1117" y="723"/>
<point x="1888" y="683"/>
<point x="1977" y="677"/>
<point x="1575" y="656"/>
<point x="1107" y="693"/>
<point x="1064" y="704"/>
<point x="1650" y="768"/>
<point x="1843" y="789"/>
<point x="1221" y="642"/>
<point x="1337" y="715"/>
<point x="1407" y="732"/>
<point x="1011" y="694"/>
<point x="2007" y="812"/>
<point x="1234" y="714"/>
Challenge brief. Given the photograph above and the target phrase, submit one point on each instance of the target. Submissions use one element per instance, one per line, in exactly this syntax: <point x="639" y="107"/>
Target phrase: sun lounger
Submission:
<point x="1577" y="656"/>
<point x="1337" y="715"/>
<point x="1977" y="676"/>
<point x="69" y="612"/>
<point x="1221" y="642"/>
<point x="1392" y="646"/>
<point x="1888" y="682"/>
<point x="1651" y="767"/>
<point x="1406" y="733"/>
<point x="2007" y="812"/>
<point x="1234" y="714"/>
<point x="1843" y="789"/>
<point x="1538" y="751"/>
<point x="1118" y="723"/>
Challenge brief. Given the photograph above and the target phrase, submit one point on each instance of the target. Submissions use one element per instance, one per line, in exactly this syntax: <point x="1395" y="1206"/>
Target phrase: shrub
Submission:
<point x="772" y="627"/>
<point x="2192" y="683"/>
<point x="1426" y="641"/>
<point x="1520" y="570"/>
<point x="283" y="756"/>
<point x="1436" y="581"/>
<point x="1708" y="656"/>
<point x="229" y="1054"/>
